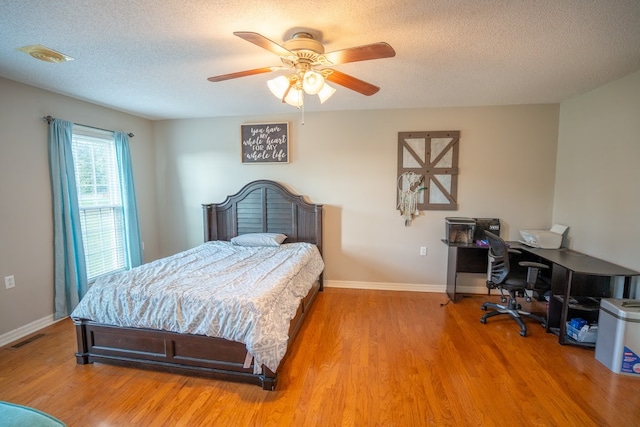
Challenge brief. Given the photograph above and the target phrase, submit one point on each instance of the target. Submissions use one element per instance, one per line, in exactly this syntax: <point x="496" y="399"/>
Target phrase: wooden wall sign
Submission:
<point x="265" y="142"/>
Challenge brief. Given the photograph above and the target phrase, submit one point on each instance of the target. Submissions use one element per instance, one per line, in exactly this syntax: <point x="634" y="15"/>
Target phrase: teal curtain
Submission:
<point x="131" y="225"/>
<point x="69" y="268"/>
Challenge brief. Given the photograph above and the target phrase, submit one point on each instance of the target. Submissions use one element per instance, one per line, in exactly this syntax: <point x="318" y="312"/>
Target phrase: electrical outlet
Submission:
<point x="423" y="250"/>
<point x="9" y="282"/>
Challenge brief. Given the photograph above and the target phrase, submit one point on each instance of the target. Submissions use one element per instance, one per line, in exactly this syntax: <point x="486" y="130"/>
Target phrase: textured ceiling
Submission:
<point x="152" y="58"/>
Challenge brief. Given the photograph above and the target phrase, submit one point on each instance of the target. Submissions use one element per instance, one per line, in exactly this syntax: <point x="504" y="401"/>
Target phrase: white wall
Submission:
<point x="26" y="232"/>
<point x="597" y="189"/>
<point x="348" y="161"/>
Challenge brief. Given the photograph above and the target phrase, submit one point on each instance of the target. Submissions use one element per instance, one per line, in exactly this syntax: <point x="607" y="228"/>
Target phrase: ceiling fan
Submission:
<point x="306" y="57"/>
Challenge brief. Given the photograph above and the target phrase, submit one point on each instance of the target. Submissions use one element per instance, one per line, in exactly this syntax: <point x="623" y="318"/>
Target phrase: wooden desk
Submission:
<point x="464" y="258"/>
<point x="578" y="281"/>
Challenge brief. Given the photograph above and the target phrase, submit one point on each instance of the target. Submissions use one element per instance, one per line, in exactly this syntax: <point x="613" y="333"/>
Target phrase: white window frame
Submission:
<point x="100" y="201"/>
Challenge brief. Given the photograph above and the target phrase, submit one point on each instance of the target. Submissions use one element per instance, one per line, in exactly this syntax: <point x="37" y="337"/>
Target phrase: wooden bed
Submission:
<point x="260" y="206"/>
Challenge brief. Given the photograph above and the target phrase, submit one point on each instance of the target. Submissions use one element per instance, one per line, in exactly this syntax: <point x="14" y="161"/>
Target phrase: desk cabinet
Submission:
<point x="574" y="295"/>
<point x="464" y="258"/>
<point x="578" y="282"/>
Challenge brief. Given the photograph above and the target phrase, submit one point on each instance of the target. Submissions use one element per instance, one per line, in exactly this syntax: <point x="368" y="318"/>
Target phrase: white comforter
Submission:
<point x="217" y="289"/>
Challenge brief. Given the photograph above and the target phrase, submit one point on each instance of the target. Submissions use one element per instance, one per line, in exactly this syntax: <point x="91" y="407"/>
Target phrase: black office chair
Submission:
<point x="501" y="276"/>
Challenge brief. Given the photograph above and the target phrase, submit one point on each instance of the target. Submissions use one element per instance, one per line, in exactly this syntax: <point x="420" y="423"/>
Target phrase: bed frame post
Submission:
<point x="318" y="226"/>
<point x="210" y="221"/>
<point x="267" y="379"/>
<point x="82" y="356"/>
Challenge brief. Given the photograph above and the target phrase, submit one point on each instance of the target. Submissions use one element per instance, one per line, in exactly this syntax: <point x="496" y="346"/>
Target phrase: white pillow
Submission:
<point x="259" y="239"/>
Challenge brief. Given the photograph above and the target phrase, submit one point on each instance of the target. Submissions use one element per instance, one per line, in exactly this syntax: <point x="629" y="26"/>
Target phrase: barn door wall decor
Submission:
<point x="434" y="156"/>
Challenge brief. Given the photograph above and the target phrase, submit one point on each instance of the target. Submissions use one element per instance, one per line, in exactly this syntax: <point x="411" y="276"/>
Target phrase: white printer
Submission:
<point x="544" y="239"/>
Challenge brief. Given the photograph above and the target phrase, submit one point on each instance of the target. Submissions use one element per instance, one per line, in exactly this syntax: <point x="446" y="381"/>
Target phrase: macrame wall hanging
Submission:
<point x="409" y="187"/>
<point x="427" y="172"/>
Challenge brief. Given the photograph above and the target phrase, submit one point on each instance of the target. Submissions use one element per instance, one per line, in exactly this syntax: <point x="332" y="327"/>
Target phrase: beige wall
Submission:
<point x="347" y="161"/>
<point x="26" y="234"/>
<point x="597" y="189"/>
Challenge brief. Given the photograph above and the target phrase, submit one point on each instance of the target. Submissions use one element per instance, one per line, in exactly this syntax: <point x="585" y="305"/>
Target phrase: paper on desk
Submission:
<point x="558" y="228"/>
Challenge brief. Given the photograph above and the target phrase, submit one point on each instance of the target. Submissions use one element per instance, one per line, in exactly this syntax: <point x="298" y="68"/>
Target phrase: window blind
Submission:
<point x="100" y="201"/>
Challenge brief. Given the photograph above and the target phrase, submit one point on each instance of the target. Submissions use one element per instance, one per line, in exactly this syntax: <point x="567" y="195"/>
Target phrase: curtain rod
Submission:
<point x="49" y="119"/>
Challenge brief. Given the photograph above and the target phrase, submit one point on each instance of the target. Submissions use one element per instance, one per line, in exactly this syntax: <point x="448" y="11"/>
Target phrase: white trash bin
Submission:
<point x="618" y="341"/>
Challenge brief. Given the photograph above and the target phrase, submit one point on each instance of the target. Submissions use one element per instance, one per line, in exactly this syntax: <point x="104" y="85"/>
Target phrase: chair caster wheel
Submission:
<point x="483" y="308"/>
<point x="483" y="321"/>
<point x="503" y="300"/>
<point x="523" y="333"/>
<point x="518" y="307"/>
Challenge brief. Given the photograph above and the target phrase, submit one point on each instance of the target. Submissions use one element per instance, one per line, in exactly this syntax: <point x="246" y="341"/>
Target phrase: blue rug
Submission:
<point x="12" y="415"/>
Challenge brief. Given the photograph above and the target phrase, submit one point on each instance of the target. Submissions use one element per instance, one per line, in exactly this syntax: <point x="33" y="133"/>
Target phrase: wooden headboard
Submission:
<point x="264" y="207"/>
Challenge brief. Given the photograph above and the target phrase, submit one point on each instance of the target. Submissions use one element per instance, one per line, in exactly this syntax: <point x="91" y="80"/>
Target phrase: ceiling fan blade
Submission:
<point x="361" y="53"/>
<point x="242" y="74"/>
<point x="352" y="83"/>
<point x="265" y="43"/>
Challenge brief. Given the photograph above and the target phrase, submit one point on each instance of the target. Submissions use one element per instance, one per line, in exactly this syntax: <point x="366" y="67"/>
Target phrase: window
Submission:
<point x="100" y="201"/>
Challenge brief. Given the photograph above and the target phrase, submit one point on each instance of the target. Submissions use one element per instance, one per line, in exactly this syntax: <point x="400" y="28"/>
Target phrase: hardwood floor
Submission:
<point x="363" y="358"/>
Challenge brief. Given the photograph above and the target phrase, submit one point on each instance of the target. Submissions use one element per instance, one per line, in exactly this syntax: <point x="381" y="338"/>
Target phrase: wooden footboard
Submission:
<point x="178" y="353"/>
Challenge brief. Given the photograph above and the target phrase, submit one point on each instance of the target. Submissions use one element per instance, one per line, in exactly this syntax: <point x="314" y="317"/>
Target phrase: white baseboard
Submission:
<point x="25" y="330"/>
<point x="480" y="290"/>
<point x="384" y="286"/>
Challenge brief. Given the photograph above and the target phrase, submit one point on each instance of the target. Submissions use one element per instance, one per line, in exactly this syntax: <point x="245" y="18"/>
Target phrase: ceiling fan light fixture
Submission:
<point x="43" y="53"/>
<point x="305" y="55"/>
<point x="278" y="86"/>
<point x="312" y="82"/>
<point x="295" y="97"/>
<point x="325" y="93"/>
<point x="282" y="89"/>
